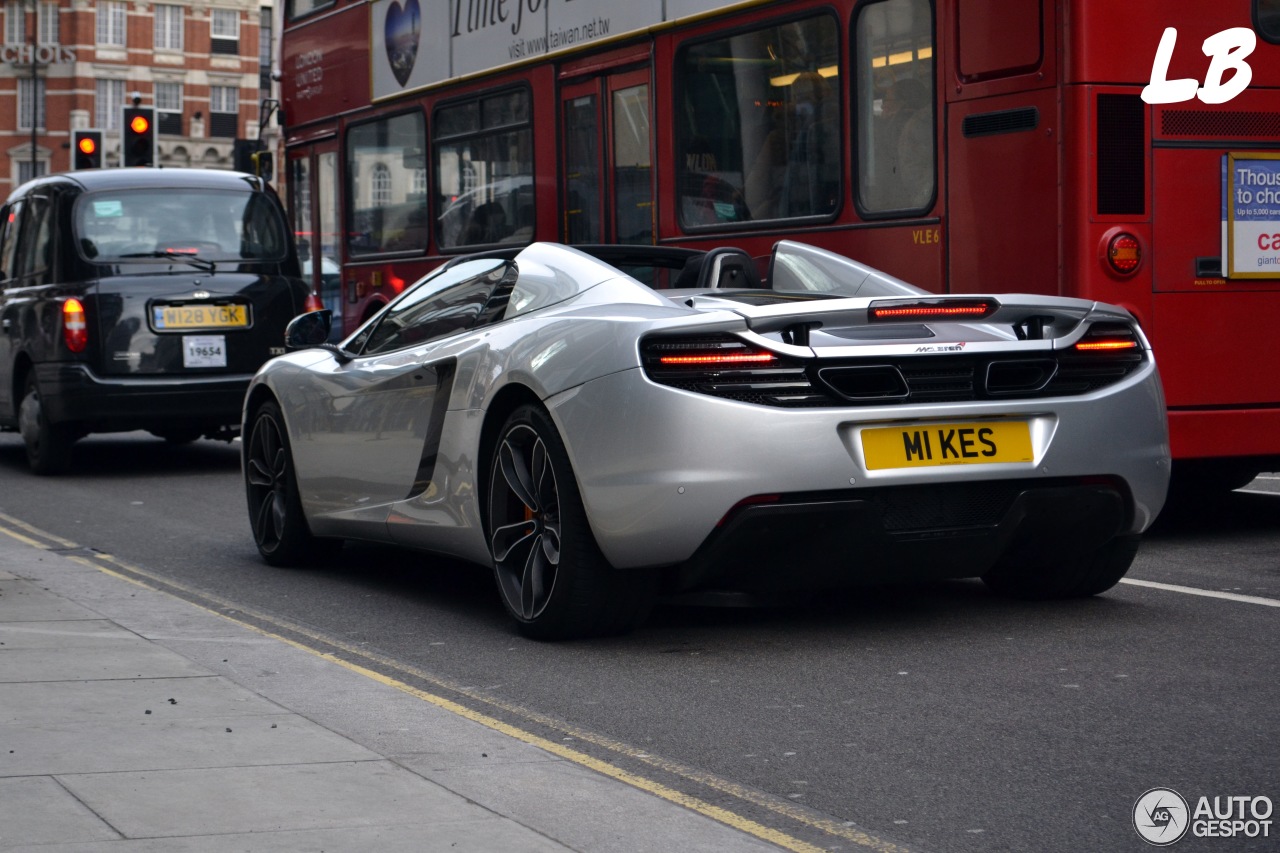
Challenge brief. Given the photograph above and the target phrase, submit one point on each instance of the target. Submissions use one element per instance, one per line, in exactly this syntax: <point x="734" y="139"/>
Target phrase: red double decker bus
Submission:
<point x="963" y="145"/>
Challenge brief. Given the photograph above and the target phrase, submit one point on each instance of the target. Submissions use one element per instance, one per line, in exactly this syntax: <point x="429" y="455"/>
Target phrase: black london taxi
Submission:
<point x="139" y="299"/>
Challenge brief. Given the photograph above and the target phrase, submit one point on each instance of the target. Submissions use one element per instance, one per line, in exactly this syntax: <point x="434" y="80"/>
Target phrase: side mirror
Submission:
<point x="308" y="330"/>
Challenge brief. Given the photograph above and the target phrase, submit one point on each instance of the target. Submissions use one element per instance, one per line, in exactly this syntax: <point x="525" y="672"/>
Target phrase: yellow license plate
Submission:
<point x="201" y="316"/>
<point x="924" y="445"/>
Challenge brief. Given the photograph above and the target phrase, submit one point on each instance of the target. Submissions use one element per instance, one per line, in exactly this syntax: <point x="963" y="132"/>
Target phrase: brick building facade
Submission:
<point x="203" y="66"/>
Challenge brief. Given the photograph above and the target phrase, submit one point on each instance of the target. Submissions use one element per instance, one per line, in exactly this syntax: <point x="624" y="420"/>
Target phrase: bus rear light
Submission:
<point x="950" y="309"/>
<point x="1124" y="253"/>
<point x="75" y="331"/>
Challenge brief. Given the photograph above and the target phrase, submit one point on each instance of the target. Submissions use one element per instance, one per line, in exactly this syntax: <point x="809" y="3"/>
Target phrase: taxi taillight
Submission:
<point x="75" y="331"/>
<point x="312" y="303"/>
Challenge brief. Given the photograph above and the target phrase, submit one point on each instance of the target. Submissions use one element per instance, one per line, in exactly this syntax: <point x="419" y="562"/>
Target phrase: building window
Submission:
<point x="26" y="173"/>
<point x="109" y="101"/>
<point x="113" y="24"/>
<point x="224" y="111"/>
<point x="26" y="103"/>
<point x="168" y="97"/>
<point x="15" y="23"/>
<point x="168" y="27"/>
<point x="419" y="186"/>
<point x="224" y="31"/>
<point x="169" y="107"/>
<point x="264" y="49"/>
<point x="381" y="185"/>
<point x="47" y="23"/>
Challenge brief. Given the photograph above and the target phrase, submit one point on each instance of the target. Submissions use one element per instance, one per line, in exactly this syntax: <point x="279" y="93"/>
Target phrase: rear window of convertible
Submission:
<point x="215" y="225"/>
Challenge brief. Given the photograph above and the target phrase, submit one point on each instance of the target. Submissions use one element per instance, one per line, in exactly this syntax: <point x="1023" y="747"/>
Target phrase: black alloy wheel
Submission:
<point x="48" y="446"/>
<point x="275" y="509"/>
<point x="550" y="572"/>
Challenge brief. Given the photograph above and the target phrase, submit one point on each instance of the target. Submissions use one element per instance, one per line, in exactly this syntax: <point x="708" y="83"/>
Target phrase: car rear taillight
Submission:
<point x="723" y="359"/>
<point x="1124" y="253"/>
<point x="1109" y="337"/>
<point x="726" y="366"/>
<point x="931" y="309"/>
<point x="75" y="331"/>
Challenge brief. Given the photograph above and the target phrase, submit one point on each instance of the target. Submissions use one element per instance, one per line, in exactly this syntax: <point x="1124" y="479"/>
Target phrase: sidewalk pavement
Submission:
<point x="134" y="722"/>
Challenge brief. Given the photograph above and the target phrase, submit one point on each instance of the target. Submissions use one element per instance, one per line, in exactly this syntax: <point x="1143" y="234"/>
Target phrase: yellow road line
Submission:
<point x="16" y="522"/>
<point x="712" y="781"/>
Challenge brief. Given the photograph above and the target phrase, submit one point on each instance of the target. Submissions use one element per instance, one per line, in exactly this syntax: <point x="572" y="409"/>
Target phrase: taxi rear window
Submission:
<point x="213" y="225"/>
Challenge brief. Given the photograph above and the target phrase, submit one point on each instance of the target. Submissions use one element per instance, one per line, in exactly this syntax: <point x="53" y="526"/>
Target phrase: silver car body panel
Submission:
<point x="659" y="467"/>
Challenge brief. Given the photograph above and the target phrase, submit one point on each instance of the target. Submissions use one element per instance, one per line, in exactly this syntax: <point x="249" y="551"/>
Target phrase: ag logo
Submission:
<point x="1161" y="816"/>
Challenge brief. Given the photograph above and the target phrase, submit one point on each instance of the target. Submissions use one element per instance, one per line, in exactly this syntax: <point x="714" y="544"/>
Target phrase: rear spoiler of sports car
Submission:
<point x="1028" y="317"/>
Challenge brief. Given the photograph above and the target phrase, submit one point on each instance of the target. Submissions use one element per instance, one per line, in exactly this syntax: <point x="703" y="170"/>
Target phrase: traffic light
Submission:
<point x="139" y="146"/>
<point x="86" y="149"/>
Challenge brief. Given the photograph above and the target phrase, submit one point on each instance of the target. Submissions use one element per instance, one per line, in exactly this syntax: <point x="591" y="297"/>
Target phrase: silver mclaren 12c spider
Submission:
<point x="600" y="441"/>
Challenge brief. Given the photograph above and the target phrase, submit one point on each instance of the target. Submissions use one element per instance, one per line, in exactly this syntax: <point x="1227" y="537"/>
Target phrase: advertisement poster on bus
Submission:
<point x="1251" y="215"/>
<point x="416" y="43"/>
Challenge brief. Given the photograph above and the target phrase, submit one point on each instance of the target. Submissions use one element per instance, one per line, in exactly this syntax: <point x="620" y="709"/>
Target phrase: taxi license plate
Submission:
<point x="924" y="445"/>
<point x="167" y="317"/>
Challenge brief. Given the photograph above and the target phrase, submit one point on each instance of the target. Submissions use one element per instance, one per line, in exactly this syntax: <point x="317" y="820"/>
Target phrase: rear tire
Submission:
<point x="552" y="577"/>
<point x="280" y="528"/>
<point x="1072" y="578"/>
<point x="48" y="445"/>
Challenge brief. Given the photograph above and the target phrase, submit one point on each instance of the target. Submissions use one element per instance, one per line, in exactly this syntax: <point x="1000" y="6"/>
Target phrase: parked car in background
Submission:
<point x="596" y="441"/>
<point x="139" y="299"/>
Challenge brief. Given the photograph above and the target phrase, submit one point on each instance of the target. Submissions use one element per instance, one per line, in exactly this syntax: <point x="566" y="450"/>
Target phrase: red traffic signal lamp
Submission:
<point x="86" y="149"/>
<point x="139" y="145"/>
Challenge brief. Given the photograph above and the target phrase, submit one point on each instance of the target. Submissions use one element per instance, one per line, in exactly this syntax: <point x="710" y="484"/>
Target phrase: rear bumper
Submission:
<point x="904" y="534"/>
<point x="74" y="394"/>
<point x="662" y="470"/>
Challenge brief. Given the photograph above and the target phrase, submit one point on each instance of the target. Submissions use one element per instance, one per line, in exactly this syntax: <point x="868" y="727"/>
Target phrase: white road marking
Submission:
<point x="1207" y="593"/>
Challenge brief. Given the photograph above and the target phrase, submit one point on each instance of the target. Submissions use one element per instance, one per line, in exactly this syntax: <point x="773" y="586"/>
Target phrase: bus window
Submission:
<point x="295" y="9"/>
<point x="484" y="171"/>
<point x="760" y="124"/>
<point x="387" y="206"/>
<point x="893" y="105"/>
<point x="1266" y="17"/>
<point x="633" y="205"/>
<point x="581" y="174"/>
